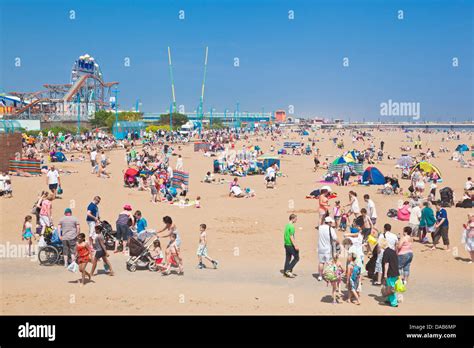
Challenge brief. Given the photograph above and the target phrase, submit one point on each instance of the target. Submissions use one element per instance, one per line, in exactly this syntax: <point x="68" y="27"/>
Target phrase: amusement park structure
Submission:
<point x="78" y="100"/>
<point x="200" y="117"/>
<point x="87" y="92"/>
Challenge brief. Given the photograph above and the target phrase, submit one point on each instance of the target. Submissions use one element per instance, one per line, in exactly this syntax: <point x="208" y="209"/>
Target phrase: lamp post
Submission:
<point x="171" y="117"/>
<point x="116" y="105"/>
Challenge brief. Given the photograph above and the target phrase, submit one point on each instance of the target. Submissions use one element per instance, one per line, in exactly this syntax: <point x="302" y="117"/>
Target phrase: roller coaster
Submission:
<point x="86" y="93"/>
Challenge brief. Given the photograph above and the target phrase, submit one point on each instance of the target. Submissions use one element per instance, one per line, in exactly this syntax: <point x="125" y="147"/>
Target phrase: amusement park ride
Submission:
<point x="199" y="117"/>
<point x="87" y="93"/>
<point x="78" y="100"/>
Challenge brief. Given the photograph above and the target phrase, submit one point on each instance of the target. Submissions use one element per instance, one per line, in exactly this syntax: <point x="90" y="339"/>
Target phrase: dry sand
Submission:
<point x="245" y="235"/>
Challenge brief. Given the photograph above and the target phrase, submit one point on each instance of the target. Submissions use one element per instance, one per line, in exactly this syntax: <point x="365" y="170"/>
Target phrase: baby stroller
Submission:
<point x="109" y="234"/>
<point x="447" y="197"/>
<point x="52" y="253"/>
<point x="405" y="173"/>
<point x="140" y="254"/>
<point x="270" y="181"/>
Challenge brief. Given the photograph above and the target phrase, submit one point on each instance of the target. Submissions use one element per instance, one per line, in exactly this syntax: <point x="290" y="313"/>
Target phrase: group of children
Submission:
<point x="333" y="273"/>
<point x="173" y="258"/>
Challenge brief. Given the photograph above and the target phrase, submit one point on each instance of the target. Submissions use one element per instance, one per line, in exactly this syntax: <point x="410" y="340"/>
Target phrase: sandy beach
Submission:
<point x="245" y="235"/>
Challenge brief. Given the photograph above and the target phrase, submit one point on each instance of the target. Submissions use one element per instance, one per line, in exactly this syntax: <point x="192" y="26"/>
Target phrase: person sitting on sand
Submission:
<point x="403" y="213"/>
<point x="236" y="192"/>
<point x="209" y="178"/>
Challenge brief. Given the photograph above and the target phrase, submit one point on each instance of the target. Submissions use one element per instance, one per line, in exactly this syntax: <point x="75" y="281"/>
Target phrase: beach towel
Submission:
<point x="179" y="177"/>
<point x="32" y="166"/>
<point x="291" y="144"/>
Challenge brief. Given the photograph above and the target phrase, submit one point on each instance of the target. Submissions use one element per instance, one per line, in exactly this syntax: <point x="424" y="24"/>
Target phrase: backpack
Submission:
<point x="392" y="213"/>
<point x="329" y="273"/>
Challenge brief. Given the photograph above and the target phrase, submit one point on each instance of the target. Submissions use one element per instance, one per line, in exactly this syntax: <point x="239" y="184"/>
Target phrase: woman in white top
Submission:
<point x="354" y="204"/>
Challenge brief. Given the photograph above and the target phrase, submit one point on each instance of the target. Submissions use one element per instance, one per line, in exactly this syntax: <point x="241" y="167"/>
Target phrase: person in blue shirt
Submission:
<point x="93" y="217"/>
<point x="441" y="227"/>
<point x="141" y="222"/>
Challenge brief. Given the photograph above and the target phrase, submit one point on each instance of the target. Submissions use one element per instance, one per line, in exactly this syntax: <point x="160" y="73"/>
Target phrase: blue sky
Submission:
<point x="283" y="62"/>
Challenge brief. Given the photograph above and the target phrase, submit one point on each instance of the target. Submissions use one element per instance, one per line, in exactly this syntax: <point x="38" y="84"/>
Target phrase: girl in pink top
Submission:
<point x="405" y="253"/>
<point x="46" y="213"/>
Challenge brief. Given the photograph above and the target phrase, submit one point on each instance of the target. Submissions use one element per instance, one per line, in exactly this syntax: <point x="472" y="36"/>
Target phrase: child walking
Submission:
<point x="173" y="256"/>
<point x="26" y="233"/>
<point x="337" y="213"/>
<point x="157" y="253"/>
<point x="353" y="279"/>
<point x="333" y="272"/>
<point x="83" y="256"/>
<point x="344" y="217"/>
<point x="202" y="248"/>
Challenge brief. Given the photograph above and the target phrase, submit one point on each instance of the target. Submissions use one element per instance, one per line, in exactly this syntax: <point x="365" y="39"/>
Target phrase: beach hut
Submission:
<point x="266" y="161"/>
<point x="121" y="129"/>
<point x="373" y="176"/>
<point x="427" y="168"/>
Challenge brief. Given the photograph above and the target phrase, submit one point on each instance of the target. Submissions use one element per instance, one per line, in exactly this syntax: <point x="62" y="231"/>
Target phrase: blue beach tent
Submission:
<point x="373" y="176"/>
<point x="462" y="148"/>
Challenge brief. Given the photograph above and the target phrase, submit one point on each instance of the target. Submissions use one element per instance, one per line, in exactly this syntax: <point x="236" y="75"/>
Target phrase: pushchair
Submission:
<point x="109" y="234"/>
<point x="140" y="256"/>
<point x="405" y="173"/>
<point x="447" y="197"/>
<point x="52" y="253"/>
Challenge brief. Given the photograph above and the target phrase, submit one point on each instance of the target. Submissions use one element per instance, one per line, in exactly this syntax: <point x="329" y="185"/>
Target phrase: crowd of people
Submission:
<point x="350" y="230"/>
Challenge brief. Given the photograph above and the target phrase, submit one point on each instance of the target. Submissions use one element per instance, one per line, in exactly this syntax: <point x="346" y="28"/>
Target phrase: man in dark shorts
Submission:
<point x="68" y="229"/>
<point x="53" y="180"/>
<point x="441" y="227"/>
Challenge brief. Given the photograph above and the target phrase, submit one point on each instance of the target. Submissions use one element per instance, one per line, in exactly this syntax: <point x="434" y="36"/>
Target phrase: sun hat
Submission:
<point x="326" y="187"/>
<point x="127" y="207"/>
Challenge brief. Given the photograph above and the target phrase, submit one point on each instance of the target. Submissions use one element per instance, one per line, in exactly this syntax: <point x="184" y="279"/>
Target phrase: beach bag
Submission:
<point x="42" y="243"/>
<point x="60" y="190"/>
<point x="372" y="240"/>
<point x="387" y="290"/>
<point x="399" y="286"/>
<point x="329" y="273"/>
<point x="73" y="267"/>
<point x="55" y="237"/>
<point x="392" y="213"/>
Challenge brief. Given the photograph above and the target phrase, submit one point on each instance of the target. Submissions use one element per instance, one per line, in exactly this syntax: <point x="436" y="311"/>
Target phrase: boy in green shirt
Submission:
<point x="291" y="249"/>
